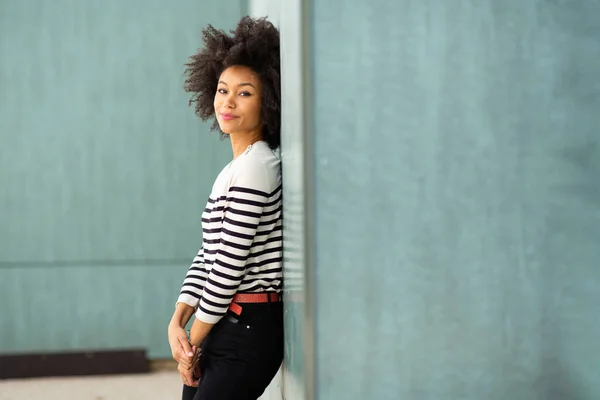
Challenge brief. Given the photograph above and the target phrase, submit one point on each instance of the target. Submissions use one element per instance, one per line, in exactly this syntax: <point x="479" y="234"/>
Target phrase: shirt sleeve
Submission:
<point x="246" y="197"/>
<point x="191" y="289"/>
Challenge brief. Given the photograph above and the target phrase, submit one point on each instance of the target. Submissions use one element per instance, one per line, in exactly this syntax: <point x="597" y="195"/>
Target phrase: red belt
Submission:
<point x="241" y="298"/>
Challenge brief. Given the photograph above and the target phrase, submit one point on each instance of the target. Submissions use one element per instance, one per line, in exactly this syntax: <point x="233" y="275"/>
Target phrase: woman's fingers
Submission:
<point x="185" y="361"/>
<point x="187" y="376"/>
<point x="196" y="351"/>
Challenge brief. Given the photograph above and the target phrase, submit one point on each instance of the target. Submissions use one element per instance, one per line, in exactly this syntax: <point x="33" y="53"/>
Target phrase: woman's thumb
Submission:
<point x="187" y="349"/>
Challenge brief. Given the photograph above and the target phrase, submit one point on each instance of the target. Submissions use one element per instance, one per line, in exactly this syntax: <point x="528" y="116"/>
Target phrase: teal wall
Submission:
<point x="297" y="188"/>
<point x="457" y="199"/>
<point x="104" y="169"/>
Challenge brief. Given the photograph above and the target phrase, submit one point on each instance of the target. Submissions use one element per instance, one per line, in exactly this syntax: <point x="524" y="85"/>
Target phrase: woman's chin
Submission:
<point x="225" y="129"/>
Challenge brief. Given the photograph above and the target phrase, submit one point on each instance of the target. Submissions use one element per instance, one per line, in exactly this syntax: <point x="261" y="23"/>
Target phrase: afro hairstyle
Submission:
<point x="253" y="44"/>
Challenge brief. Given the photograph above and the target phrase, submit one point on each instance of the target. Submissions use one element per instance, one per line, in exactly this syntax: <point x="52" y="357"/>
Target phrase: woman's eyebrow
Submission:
<point x="241" y="84"/>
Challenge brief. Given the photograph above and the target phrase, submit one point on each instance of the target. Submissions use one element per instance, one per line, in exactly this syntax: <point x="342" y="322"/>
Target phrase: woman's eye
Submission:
<point x="222" y="91"/>
<point x="245" y="94"/>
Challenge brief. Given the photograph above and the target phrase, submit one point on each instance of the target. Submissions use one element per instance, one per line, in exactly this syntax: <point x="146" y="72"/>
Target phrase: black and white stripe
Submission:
<point x="242" y="236"/>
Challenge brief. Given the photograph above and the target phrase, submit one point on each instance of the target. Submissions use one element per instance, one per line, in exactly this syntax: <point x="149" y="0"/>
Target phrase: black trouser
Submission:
<point x="239" y="359"/>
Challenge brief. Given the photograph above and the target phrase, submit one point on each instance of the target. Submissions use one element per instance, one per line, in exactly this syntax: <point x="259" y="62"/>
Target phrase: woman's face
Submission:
<point x="237" y="101"/>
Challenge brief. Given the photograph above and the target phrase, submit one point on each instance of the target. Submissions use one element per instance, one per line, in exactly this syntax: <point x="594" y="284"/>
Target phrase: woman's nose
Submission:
<point x="229" y="102"/>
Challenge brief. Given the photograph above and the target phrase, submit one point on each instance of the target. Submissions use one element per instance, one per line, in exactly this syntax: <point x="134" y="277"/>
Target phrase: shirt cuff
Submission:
<point x="188" y="299"/>
<point x="207" y="318"/>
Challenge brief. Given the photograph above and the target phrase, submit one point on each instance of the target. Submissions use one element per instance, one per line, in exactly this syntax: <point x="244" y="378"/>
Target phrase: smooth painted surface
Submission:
<point x="104" y="169"/>
<point x="298" y="189"/>
<point x="52" y="309"/>
<point x="457" y="199"/>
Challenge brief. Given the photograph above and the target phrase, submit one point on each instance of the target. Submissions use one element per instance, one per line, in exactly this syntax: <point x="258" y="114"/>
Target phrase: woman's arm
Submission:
<point x="247" y="200"/>
<point x="181" y="316"/>
<point x="191" y="289"/>
<point x="199" y="331"/>
<point x="189" y="297"/>
<point x="181" y="349"/>
<point x="241" y="216"/>
<point x="183" y="352"/>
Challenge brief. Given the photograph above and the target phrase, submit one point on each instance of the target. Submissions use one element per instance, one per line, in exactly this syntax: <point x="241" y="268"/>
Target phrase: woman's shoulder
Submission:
<point x="259" y="167"/>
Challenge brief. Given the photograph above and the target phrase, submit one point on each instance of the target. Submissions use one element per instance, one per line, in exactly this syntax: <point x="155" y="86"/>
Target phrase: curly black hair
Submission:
<point x="254" y="44"/>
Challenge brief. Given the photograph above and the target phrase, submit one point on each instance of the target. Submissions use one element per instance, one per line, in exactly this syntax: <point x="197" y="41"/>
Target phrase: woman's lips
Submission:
<point x="228" y="117"/>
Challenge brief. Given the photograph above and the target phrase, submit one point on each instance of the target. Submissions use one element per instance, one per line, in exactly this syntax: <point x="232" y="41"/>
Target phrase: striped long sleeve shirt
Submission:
<point x="242" y="235"/>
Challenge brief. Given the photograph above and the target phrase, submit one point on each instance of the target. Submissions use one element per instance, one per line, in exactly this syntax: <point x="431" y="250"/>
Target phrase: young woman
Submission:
<point x="234" y="284"/>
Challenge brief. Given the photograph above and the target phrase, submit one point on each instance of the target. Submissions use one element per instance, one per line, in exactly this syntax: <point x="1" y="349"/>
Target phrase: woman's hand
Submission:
<point x="181" y="349"/>
<point x="190" y="376"/>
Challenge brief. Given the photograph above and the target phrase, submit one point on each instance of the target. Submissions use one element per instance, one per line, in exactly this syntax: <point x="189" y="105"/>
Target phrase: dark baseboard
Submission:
<point x="93" y="362"/>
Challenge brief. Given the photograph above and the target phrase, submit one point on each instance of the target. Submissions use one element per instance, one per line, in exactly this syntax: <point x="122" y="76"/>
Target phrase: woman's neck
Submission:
<point x="240" y="142"/>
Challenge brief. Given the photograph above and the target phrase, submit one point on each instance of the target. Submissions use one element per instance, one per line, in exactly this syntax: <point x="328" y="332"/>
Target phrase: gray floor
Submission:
<point x="161" y="385"/>
<point x="152" y="386"/>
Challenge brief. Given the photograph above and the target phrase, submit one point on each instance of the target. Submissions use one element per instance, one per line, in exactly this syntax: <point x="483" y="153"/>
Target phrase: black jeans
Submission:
<point x="239" y="359"/>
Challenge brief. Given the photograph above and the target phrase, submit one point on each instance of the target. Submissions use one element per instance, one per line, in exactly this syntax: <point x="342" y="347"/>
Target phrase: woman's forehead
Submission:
<point x="238" y="74"/>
